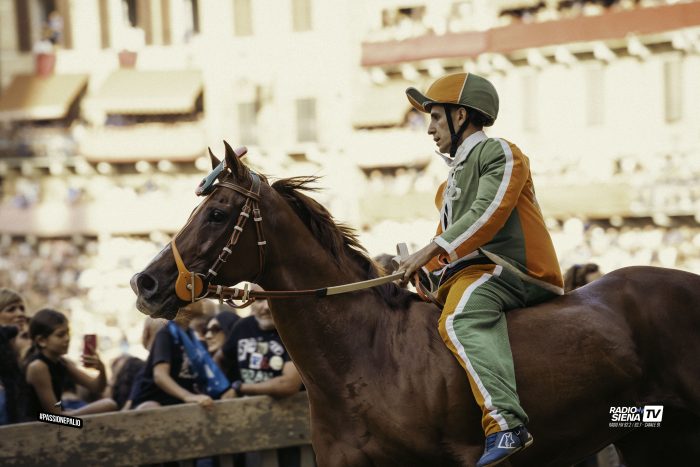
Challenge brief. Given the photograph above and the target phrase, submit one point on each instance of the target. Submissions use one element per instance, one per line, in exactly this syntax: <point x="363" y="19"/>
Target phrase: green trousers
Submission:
<point x="473" y="326"/>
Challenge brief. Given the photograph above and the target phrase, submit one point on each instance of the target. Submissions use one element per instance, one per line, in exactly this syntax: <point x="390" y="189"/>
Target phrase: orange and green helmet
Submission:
<point x="462" y="89"/>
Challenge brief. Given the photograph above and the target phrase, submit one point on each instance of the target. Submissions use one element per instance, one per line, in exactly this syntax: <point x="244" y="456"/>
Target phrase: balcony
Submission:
<point x="145" y="141"/>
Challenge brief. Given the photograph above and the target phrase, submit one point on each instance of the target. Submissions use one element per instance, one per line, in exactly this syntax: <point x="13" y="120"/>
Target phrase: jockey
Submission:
<point x="492" y="251"/>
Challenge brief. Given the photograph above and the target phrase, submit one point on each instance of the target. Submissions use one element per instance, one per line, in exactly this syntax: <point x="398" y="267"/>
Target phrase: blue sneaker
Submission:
<point x="503" y="444"/>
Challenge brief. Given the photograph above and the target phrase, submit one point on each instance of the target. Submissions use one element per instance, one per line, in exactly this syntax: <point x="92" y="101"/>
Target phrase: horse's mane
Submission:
<point x="340" y="239"/>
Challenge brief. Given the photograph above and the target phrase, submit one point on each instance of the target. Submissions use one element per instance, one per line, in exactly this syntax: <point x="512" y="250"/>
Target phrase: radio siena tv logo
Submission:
<point x="647" y="416"/>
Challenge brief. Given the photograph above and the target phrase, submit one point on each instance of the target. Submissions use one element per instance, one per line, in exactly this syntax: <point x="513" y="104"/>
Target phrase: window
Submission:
<point x="248" y="122"/>
<point x="104" y="24"/>
<point x="242" y="18"/>
<point x="595" y="96"/>
<point x="130" y="13"/>
<point x="191" y="17"/>
<point x="301" y="15"/>
<point x="673" y="90"/>
<point x="24" y="35"/>
<point x="137" y="14"/>
<point x="306" y="120"/>
<point x="42" y="22"/>
<point x="529" y="86"/>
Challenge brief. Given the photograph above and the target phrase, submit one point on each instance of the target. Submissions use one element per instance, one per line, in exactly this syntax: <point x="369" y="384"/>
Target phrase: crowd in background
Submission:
<point x="403" y="23"/>
<point x="208" y="352"/>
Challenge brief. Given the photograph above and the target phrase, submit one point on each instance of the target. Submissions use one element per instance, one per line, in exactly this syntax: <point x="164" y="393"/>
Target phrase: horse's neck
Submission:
<point x="320" y="333"/>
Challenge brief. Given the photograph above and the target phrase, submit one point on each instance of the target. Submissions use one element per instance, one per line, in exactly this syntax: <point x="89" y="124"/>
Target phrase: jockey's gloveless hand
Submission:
<point x="412" y="263"/>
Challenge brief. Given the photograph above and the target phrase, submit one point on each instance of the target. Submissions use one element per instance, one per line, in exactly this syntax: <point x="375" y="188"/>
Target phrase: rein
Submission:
<point x="227" y="294"/>
<point x="190" y="286"/>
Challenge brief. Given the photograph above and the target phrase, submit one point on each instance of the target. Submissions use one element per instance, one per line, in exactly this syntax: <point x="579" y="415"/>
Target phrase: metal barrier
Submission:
<point x="175" y="433"/>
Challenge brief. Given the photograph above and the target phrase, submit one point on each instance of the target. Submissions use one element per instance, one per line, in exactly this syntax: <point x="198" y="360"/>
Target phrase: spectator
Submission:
<point x="125" y="372"/>
<point x="11" y="383"/>
<point x="385" y="261"/>
<point x="151" y="326"/>
<point x="205" y="311"/>
<point x="579" y="275"/>
<point x="259" y="364"/>
<point x="70" y="398"/>
<point x="218" y="329"/>
<point x="168" y="377"/>
<point x="13" y="313"/>
<point x="46" y="368"/>
<point x="12" y="309"/>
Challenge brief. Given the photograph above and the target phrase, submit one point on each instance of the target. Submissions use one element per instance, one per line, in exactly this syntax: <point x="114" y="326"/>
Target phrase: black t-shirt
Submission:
<point x="59" y="374"/>
<point x="257" y="355"/>
<point x="165" y="350"/>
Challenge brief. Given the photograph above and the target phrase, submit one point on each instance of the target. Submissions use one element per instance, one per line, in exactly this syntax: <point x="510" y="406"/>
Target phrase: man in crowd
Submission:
<point x="257" y="362"/>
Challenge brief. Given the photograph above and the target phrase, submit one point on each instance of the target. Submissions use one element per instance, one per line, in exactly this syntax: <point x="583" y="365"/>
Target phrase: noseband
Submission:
<point x="191" y="286"/>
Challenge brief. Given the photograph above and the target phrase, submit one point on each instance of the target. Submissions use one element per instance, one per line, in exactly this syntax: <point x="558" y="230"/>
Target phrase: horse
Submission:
<point x="383" y="388"/>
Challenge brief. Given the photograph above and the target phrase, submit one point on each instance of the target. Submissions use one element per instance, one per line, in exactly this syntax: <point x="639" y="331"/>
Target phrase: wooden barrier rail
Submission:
<point x="175" y="433"/>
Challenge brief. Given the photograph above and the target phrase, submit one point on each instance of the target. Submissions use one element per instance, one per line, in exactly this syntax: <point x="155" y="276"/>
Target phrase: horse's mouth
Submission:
<point x="165" y="310"/>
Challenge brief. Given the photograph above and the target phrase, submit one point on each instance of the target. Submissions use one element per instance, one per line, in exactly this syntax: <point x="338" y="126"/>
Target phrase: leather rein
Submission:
<point x="190" y="286"/>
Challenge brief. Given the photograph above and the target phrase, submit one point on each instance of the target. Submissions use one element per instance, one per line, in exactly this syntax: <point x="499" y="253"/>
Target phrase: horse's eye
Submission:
<point x="217" y="216"/>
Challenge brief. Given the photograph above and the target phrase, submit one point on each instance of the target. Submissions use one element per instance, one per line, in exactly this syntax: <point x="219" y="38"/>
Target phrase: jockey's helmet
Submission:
<point x="462" y="89"/>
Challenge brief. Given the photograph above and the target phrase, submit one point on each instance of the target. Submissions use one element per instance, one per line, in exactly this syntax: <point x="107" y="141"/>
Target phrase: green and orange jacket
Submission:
<point x="488" y="211"/>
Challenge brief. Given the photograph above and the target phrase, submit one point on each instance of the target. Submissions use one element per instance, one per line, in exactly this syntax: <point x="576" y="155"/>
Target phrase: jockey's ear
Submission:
<point x="214" y="160"/>
<point x="233" y="162"/>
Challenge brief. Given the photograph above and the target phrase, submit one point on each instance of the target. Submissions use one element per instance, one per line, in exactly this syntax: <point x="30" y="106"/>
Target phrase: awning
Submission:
<point x="381" y="105"/>
<point x="135" y="92"/>
<point x="31" y="97"/>
<point x="146" y="141"/>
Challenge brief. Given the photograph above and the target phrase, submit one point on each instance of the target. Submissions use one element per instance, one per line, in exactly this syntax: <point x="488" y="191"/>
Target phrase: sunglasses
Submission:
<point x="214" y="329"/>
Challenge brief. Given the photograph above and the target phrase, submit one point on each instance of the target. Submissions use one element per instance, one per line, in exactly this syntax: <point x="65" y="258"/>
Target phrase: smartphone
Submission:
<point x="89" y="344"/>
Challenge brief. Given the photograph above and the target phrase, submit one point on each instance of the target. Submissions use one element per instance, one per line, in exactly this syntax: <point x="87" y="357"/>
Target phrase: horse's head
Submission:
<point x="227" y="219"/>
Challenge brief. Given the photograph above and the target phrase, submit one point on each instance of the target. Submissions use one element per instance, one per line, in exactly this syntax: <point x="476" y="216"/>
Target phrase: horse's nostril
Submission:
<point x="146" y="284"/>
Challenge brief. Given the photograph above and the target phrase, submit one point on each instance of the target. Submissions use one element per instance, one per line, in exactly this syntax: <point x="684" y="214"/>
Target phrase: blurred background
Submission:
<point x="107" y="108"/>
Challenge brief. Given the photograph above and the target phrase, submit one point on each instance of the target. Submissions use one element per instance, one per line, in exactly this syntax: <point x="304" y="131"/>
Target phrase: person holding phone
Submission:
<point x="47" y="369"/>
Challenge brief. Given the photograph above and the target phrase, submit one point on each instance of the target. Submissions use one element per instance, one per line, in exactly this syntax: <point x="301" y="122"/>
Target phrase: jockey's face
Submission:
<point x="440" y="130"/>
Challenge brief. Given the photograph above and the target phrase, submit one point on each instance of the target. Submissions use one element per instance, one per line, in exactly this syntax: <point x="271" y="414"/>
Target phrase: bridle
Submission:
<point x="189" y="285"/>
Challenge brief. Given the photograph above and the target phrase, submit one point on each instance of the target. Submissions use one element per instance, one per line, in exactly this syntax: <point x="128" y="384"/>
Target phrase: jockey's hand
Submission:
<point x="414" y="262"/>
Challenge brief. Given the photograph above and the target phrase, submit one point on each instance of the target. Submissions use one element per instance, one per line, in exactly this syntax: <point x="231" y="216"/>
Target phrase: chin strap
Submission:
<point x="454" y="136"/>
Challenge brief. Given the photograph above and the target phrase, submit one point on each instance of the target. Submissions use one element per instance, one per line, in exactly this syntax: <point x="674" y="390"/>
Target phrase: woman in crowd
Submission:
<point x="11" y="400"/>
<point x="46" y="368"/>
<point x="13" y="313"/>
<point x="218" y="329"/>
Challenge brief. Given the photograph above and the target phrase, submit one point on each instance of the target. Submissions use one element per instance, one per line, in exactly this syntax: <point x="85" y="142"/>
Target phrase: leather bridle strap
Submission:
<point x="189" y="286"/>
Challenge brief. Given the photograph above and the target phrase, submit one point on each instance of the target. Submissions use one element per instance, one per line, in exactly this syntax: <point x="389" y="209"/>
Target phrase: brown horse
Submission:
<point x="383" y="388"/>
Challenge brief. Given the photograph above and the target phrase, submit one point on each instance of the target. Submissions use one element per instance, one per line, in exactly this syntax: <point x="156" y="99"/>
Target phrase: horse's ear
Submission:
<point x="233" y="162"/>
<point x="214" y="160"/>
